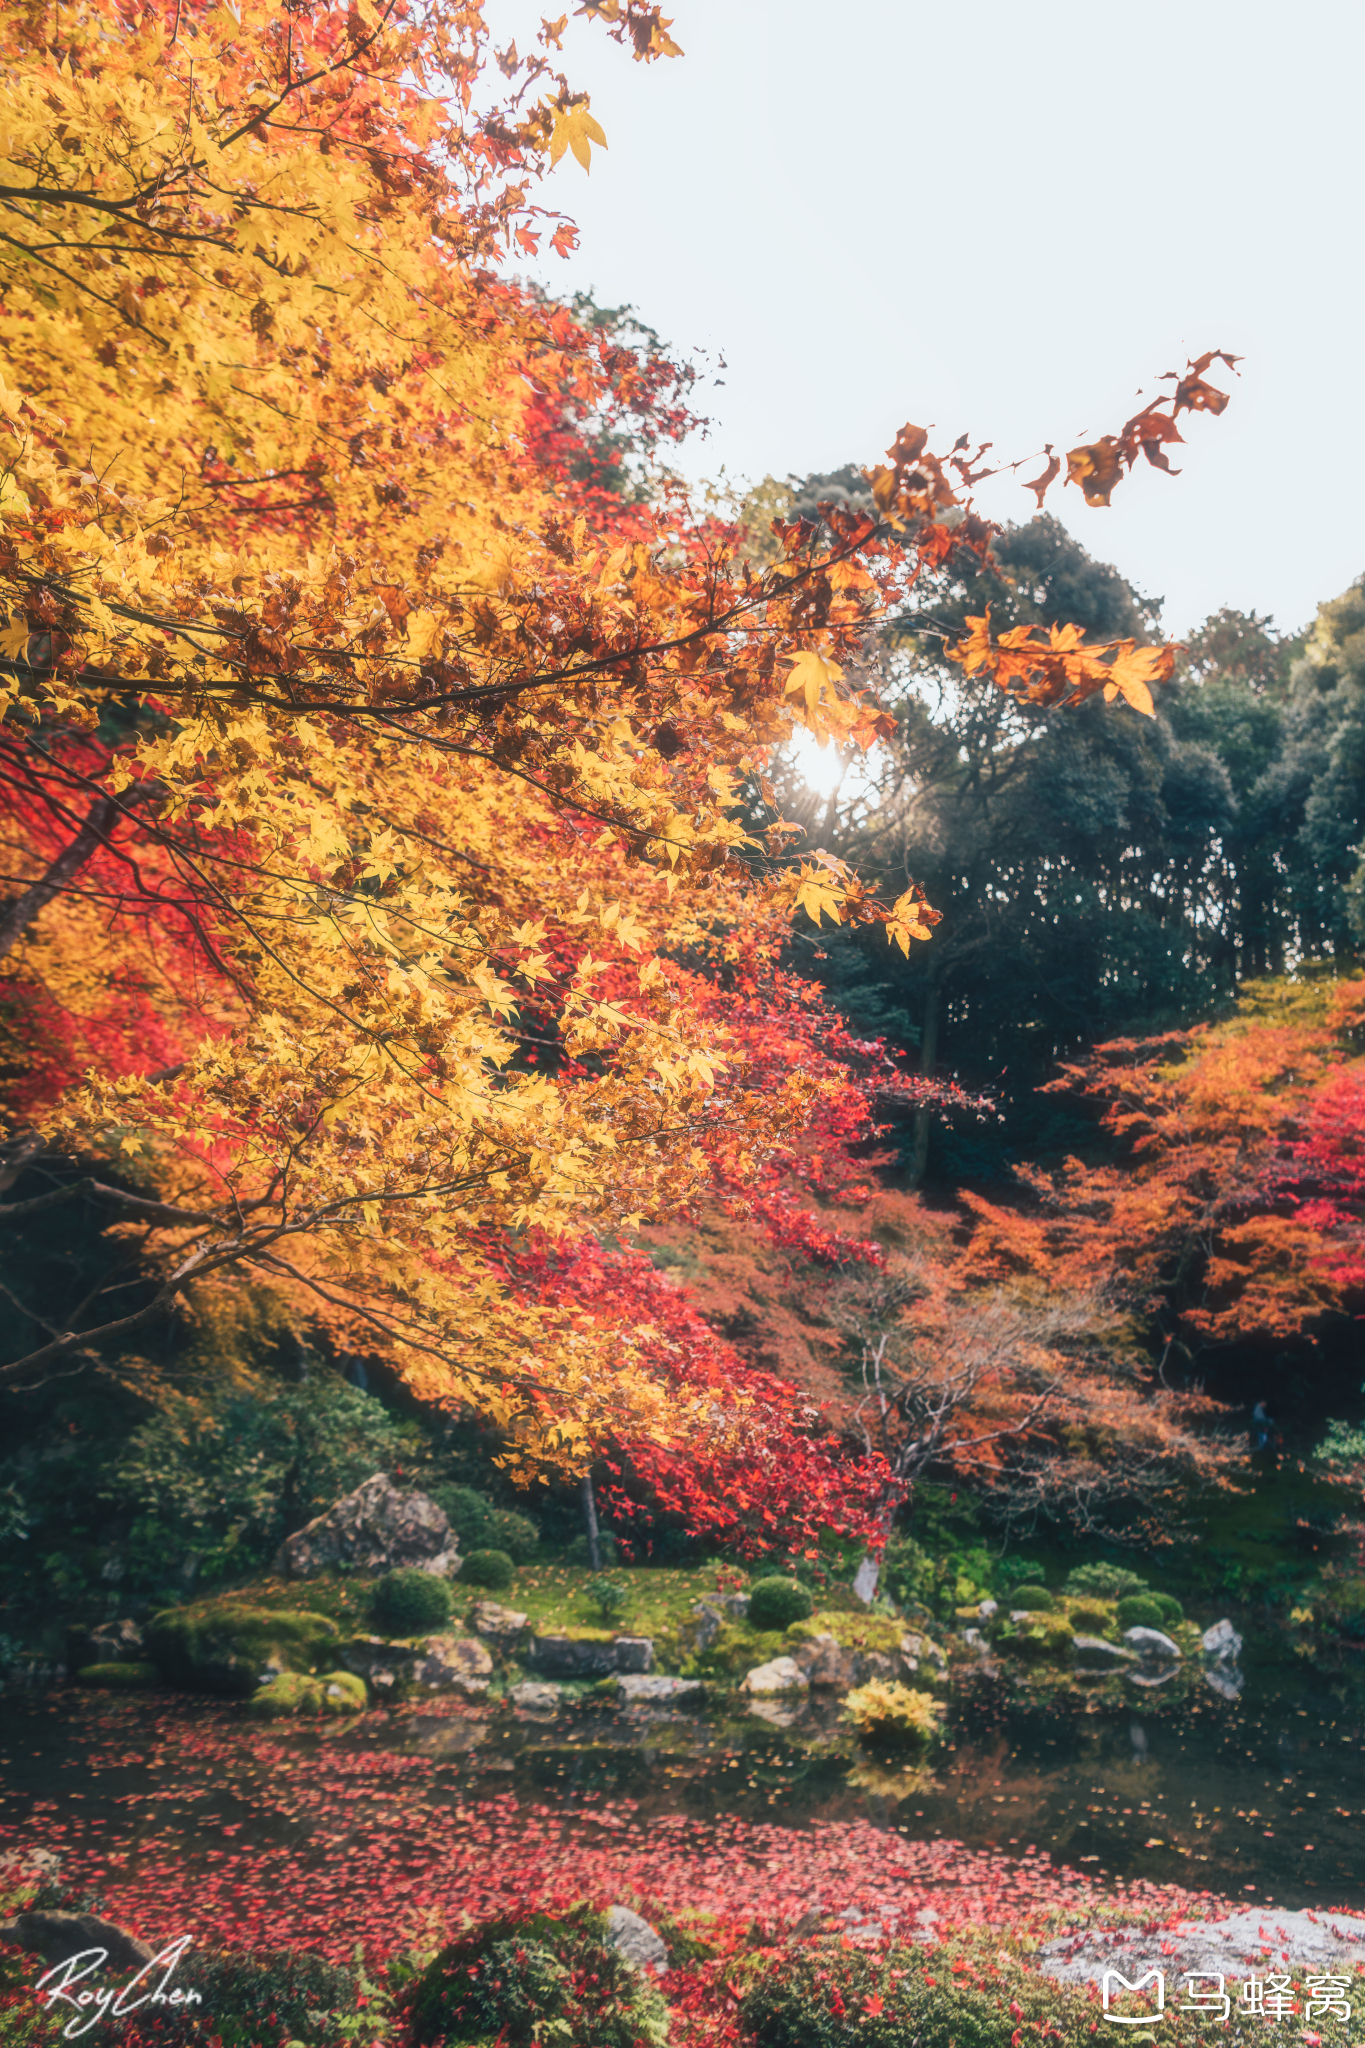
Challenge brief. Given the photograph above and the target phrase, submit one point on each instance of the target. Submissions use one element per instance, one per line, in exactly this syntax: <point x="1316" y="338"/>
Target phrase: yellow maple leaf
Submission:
<point x="575" y="129"/>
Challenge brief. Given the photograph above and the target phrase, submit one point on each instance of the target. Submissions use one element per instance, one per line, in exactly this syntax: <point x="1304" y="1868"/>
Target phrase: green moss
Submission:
<point x="293" y="1692"/>
<point x="343" y="1693"/>
<point x="119" y="1677"/>
<point x="738" y="1648"/>
<point x="221" y="1647"/>
<point x="1044" y="1638"/>
<point x="861" y="1631"/>
<point x="1092" y="1617"/>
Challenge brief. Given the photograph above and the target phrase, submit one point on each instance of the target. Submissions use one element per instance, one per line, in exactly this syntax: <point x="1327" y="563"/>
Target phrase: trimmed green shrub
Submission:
<point x="1032" y="1599"/>
<point x="1140" y="1610"/>
<point x="777" y="1603"/>
<point x="536" y="1980"/>
<point x="492" y="1569"/>
<point x="410" y="1601"/>
<point x="1106" y="1581"/>
<point x="1089" y="1618"/>
<point x="119" y="1677"/>
<point x="223" y="1648"/>
<point x="1171" y="1608"/>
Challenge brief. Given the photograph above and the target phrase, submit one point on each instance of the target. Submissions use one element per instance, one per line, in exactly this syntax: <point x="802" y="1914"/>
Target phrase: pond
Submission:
<point x="1259" y="1797"/>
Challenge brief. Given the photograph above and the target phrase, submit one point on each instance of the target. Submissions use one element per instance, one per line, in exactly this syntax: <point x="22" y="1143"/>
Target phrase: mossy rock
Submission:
<point x="1092" y="1617"/>
<point x="295" y="1692"/>
<point x="1043" y="1639"/>
<point x="220" y="1648"/>
<point x="737" y="1649"/>
<point x="119" y="1677"/>
<point x="860" y="1631"/>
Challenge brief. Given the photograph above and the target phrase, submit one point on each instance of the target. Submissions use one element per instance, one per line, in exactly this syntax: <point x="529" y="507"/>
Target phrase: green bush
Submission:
<point x="537" y="1979"/>
<point x="492" y="1569"/>
<point x="608" y="1549"/>
<point x="777" y="1603"/>
<point x="229" y="1474"/>
<point x="1105" y="1581"/>
<point x="1171" y="1609"/>
<point x="478" y="1525"/>
<point x="262" y="1999"/>
<point x="223" y="1648"/>
<point x="119" y="1677"/>
<point x="1032" y="1599"/>
<point x="1140" y="1610"/>
<point x="410" y="1601"/>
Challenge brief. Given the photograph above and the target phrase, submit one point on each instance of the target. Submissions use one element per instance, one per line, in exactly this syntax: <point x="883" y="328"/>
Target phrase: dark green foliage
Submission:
<point x="256" y="1999"/>
<point x="408" y="1601"/>
<point x="223" y="1648"/>
<point x="479" y="1525"/>
<point x="1171" y="1609"/>
<point x="1105" y="1581"/>
<point x="536" y="1979"/>
<point x="778" y="1602"/>
<point x="1140" y="1610"/>
<point x="492" y="1569"/>
<point x="608" y="1549"/>
<point x="1032" y="1599"/>
<point x="229" y="1474"/>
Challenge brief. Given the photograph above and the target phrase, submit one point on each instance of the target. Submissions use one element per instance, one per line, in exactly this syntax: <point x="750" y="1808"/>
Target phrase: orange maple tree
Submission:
<point x="370" y="769"/>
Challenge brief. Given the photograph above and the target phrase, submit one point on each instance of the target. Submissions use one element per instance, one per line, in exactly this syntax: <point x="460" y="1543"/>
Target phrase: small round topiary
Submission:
<point x="1171" y="1609"/>
<point x="533" y="1979"/>
<point x="778" y="1602"/>
<point x="1032" y="1599"/>
<point x="492" y="1569"/>
<point x="406" y="1602"/>
<point x="1140" y="1610"/>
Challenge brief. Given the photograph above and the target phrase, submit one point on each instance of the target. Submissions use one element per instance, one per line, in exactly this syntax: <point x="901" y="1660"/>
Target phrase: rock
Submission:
<point x="988" y="1608"/>
<point x="19" y="1866"/>
<point x="445" y="1564"/>
<point x="865" y="1580"/>
<point x="737" y="1606"/>
<point x="382" y="1664"/>
<point x="1226" y="1682"/>
<point x="453" y="1664"/>
<point x="336" y="1692"/>
<point x="634" y="1653"/>
<point x="55" y="1936"/>
<point x="536" y="1698"/>
<point x="225" y="1648"/>
<point x="1221" y="1644"/>
<point x="1151" y="1646"/>
<point x="1327" y="1943"/>
<point x="572" y="1656"/>
<point x="706" y="1626"/>
<point x="972" y="1638"/>
<point x="871" y="1664"/>
<point x="374" y="1529"/>
<point x="501" y="1626"/>
<point x="113" y="1642"/>
<point x="1159" y="1677"/>
<point x="827" y="1665"/>
<point x="919" y="1652"/>
<point x="342" y="1693"/>
<point x="1100" y="1656"/>
<point x="641" y="1945"/>
<point x="634" y="1689"/>
<point x="783" y="1674"/>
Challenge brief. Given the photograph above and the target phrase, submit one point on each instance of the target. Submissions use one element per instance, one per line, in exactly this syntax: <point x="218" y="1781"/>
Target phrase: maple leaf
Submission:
<point x="1096" y="467"/>
<point x="575" y="130"/>
<point x="810" y="675"/>
<point x="1039" y="484"/>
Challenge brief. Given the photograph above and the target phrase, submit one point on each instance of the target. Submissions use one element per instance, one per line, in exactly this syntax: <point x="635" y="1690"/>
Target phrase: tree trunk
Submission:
<point x="928" y="1057"/>
<point x="590" y="1522"/>
<point x="35" y="899"/>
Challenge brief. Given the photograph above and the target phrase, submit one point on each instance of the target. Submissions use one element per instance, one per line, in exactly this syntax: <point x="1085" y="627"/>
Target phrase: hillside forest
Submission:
<point x="467" y="1067"/>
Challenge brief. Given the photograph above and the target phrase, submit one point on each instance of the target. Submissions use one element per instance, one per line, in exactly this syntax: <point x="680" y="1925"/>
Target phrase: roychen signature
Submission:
<point x="90" y="2004"/>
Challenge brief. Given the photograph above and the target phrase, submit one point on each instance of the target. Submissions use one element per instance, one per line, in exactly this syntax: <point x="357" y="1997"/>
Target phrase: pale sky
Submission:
<point x="1004" y="219"/>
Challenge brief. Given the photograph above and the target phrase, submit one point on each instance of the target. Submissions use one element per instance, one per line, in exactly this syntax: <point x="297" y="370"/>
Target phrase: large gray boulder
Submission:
<point x="572" y="1656"/>
<point x="635" y="1689"/>
<point x="783" y="1674"/>
<point x="635" y="1653"/>
<point x="641" y="1945"/>
<point x="1094" y="1654"/>
<point x="504" y="1627"/>
<point x="1236" y="1947"/>
<point x="1150" y="1646"/>
<point x="1221" y="1644"/>
<point x="375" y="1529"/>
<point x="55" y="1936"/>
<point x="458" y="1664"/>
